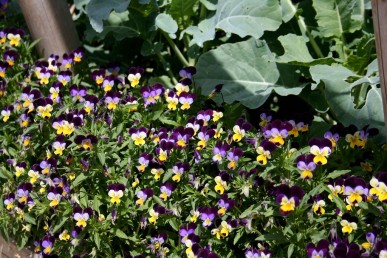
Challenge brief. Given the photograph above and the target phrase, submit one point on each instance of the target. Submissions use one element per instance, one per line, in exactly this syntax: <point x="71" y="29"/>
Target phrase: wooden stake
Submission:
<point x="379" y="16"/>
<point x="50" y="21"/>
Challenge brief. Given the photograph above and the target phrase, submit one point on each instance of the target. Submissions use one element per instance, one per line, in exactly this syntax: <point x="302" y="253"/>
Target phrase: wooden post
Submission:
<point x="379" y="16"/>
<point x="50" y="21"/>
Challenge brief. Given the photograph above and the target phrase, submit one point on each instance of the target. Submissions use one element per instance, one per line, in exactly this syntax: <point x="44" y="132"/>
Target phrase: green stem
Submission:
<point x="160" y="56"/>
<point x="305" y="31"/>
<point x="177" y="51"/>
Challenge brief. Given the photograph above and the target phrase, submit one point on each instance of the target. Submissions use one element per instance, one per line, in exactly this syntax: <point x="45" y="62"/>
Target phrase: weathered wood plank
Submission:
<point x="379" y="16"/>
<point x="51" y="22"/>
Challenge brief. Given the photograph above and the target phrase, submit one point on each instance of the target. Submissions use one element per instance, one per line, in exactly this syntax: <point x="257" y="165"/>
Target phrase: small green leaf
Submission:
<point x="83" y="198"/>
<point x="290" y="250"/>
<point x="167" y="175"/>
<point x="174" y="224"/>
<point x="120" y="234"/>
<point x="166" y="23"/>
<point x="28" y="218"/>
<point x="249" y="211"/>
<point x="238" y="235"/>
<point x="337" y="173"/>
<point x="79" y="179"/>
<point x="59" y="225"/>
<point x="168" y="121"/>
<point x="97" y="240"/>
<point x="101" y="157"/>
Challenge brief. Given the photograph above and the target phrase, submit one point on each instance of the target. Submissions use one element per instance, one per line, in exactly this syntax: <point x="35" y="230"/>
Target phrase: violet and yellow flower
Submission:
<point x="138" y="135"/>
<point x="86" y="142"/>
<point x="164" y="149"/>
<point x="371" y="241"/>
<point x="9" y="201"/>
<point x="47" y="244"/>
<point x="64" y="235"/>
<point x="112" y="100"/>
<point x="6" y="113"/>
<point x="297" y="128"/>
<point x="143" y="161"/>
<point x="10" y="56"/>
<point x="358" y="139"/>
<point x="225" y="204"/>
<point x="59" y="145"/>
<point x="318" y="206"/>
<point x="321" y="149"/>
<point x="166" y="190"/>
<point x="233" y="156"/>
<point x="151" y="94"/>
<point x="134" y="75"/>
<point x="64" y="77"/>
<point x="143" y="195"/>
<point x="44" y="107"/>
<point x="180" y="88"/>
<point x="220" y="151"/>
<point x="14" y="39"/>
<point x="78" y="54"/>
<point x="220" y="185"/>
<point x="277" y="131"/>
<point x="172" y="100"/>
<point x="78" y="92"/>
<point x="264" y="151"/>
<point x="54" y="195"/>
<point x="44" y="76"/>
<point x="34" y="175"/>
<point x="186" y="100"/>
<point x="240" y="129"/>
<point x="205" y="116"/>
<point x="379" y="186"/>
<point x="3" y="69"/>
<point x="108" y="83"/>
<point x="204" y="135"/>
<point x="207" y="215"/>
<point x="306" y="164"/>
<point x="348" y="223"/>
<point x="46" y="165"/>
<point x="355" y="189"/>
<point x="222" y="231"/>
<point x="67" y="61"/>
<point x="288" y="198"/>
<point x="90" y="103"/>
<point x="28" y="96"/>
<point x="178" y="170"/>
<point x="154" y="216"/>
<point x="63" y="126"/>
<point x="20" y="168"/>
<point x="98" y="76"/>
<point x="116" y="192"/>
<point x="265" y="119"/>
<point x="157" y="172"/>
<point x="132" y="103"/>
<point x="181" y="136"/>
<point x="319" y="251"/>
<point x="333" y="137"/>
<point x="157" y="242"/>
<point x="82" y="216"/>
<point x="26" y="140"/>
<point x="185" y="230"/>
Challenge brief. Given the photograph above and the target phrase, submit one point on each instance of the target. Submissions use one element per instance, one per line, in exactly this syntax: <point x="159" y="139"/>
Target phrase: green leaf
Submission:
<point x="168" y="121"/>
<point x="288" y="10"/>
<point x="174" y="224"/>
<point x="339" y="202"/>
<point x="182" y="8"/>
<point x="337" y="173"/>
<point x="338" y="95"/>
<point x="290" y="250"/>
<point x="28" y="218"/>
<point x="167" y="175"/>
<point x="97" y="240"/>
<point x="295" y="49"/>
<point x="335" y="17"/>
<point x="209" y="4"/>
<point x="245" y="72"/>
<point x="80" y="178"/>
<point x="238" y="235"/>
<point x="166" y="23"/>
<point x="253" y="209"/>
<point x="83" y="198"/>
<point x="118" y="232"/>
<point x="60" y="224"/>
<point x="101" y="157"/>
<point x="271" y="237"/>
<point x="4" y="173"/>
<point x="205" y="31"/>
<point x="98" y="11"/>
<point x="248" y="17"/>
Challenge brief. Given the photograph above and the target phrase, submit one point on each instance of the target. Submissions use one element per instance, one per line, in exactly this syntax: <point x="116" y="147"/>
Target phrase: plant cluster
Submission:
<point x="102" y="163"/>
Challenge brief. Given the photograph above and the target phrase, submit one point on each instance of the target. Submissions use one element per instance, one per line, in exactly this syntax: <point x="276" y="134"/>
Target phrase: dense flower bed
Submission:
<point x="102" y="164"/>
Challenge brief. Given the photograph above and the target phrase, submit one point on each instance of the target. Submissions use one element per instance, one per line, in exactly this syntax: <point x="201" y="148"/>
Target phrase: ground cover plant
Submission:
<point x="110" y="162"/>
<point x="99" y="163"/>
